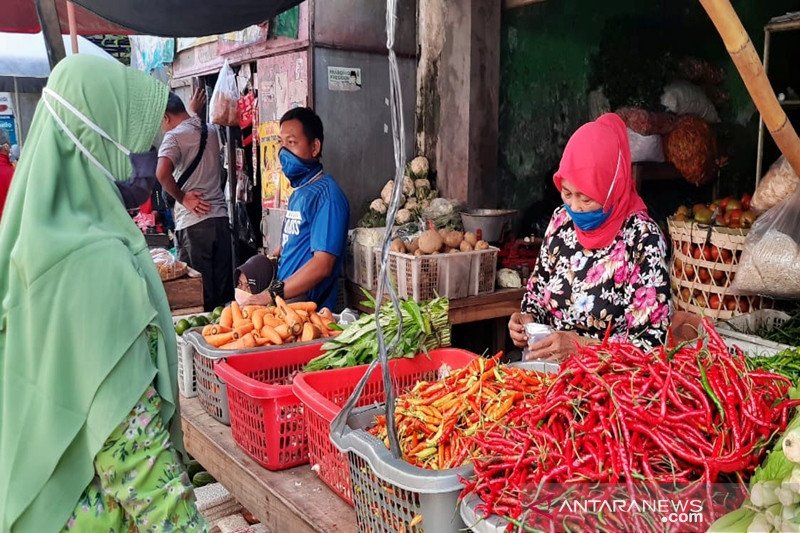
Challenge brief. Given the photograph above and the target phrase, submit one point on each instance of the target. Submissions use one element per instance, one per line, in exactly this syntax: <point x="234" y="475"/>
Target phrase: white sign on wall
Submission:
<point x="344" y="79"/>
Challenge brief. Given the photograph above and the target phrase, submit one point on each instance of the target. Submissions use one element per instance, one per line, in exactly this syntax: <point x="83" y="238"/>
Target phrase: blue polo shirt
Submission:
<point x="316" y="221"/>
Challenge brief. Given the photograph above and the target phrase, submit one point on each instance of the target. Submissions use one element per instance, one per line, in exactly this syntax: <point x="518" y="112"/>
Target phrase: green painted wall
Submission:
<point x="545" y="64"/>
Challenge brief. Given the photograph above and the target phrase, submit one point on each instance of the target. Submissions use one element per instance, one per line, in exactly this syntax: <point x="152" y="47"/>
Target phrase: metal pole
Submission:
<point x="51" y="30"/>
<point x="73" y="31"/>
<point x="17" y="113"/>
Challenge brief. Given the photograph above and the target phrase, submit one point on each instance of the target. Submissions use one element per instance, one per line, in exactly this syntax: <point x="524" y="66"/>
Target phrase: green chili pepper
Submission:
<point x="709" y="390"/>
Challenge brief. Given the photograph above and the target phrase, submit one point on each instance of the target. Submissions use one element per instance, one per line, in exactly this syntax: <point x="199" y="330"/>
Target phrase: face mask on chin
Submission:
<point x="296" y="169"/>
<point x="137" y="188"/>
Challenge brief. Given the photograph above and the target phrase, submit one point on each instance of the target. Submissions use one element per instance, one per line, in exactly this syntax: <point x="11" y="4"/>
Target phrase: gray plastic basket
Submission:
<point x="474" y="520"/>
<point x="211" y="391"/>
<point x="739" y="332"/>
<point x="389" y="493"/>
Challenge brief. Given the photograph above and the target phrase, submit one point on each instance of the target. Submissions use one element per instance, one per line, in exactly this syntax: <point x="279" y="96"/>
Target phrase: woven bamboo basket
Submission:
<point x="704" y="263"/>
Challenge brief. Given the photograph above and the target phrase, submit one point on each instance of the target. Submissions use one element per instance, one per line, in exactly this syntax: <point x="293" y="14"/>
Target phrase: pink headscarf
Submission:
<point x="596" y="158"/>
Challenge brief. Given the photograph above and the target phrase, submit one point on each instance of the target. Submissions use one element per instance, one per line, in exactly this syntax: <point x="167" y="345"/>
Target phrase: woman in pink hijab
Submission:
<point x="602" y="263"/>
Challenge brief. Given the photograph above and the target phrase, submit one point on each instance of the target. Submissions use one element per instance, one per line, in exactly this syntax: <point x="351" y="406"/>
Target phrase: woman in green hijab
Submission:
<point x="89" y="428"/>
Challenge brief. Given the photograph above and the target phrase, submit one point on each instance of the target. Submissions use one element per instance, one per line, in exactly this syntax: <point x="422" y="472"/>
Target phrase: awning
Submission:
<point x="167" y="18"/>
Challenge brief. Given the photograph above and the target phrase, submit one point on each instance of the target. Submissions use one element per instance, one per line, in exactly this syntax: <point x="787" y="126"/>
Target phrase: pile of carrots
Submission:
<point x="436" y="419"/>
<point x="257" y="325"/>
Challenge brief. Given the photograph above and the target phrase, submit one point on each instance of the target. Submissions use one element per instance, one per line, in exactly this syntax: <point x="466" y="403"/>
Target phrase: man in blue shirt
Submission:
<point x="314" y="236"/>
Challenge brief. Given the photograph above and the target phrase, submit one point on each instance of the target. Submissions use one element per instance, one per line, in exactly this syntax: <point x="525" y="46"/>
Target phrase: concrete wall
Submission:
<point x="545" y="53"/>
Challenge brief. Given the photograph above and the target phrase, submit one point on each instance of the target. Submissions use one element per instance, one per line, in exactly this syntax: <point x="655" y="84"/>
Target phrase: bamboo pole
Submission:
<point x="73" y="32"/>
<point x="747" y="62"/>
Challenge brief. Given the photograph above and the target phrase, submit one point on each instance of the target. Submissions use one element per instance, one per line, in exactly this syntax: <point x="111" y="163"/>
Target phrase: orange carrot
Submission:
<point x="283" y="330"/>
<point x="326" y="315"/>
<point x="236" y="312"/>
<point x="216" y="328"/>
<point x="304" y="306"/>
<point x="207" y="330"/>
<point x="272" y="321"/>
<point x="302" y="314"/>
<point x="248" y="310"/>
<point x="243" y="330"/>
<point x="263" y="341"/>
<point x="269" y="333"/>
<point x="292" y="318"/>
<point x="317" y="321"/>
<point x="226" y="318"/>
<point x="220" y="339"/>
<point x="258" y="319"/>
<point x="240" y="323"/>
<point x="242" y="343"/>
<point x="308" y="332"/>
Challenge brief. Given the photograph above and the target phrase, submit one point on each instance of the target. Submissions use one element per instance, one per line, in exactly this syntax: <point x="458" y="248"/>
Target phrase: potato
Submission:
<point x="453" y="239"/>
<point x="465" y="246"/>
<point x="453" y="250"/>
<point x="481" y="245"/>
<point x="430" y="242"/>
<point x="471" y="238"/>
<point x="398" y="246"/>
<point x="443" y="232"/>
<point x="418" y="253"/>
<point x="412" y="246"/>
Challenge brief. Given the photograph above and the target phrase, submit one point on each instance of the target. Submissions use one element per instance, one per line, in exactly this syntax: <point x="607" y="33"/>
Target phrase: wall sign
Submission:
<point x="344" y="79"/>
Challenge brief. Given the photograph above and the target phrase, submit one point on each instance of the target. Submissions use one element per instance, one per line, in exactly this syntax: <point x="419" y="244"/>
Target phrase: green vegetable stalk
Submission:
<point x="425" y="327"/>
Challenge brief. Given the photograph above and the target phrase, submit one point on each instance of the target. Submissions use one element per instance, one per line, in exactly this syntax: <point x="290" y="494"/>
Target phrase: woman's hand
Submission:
<point x="556" y="346"/>
<point x="262" y="298"/>
<point x="516" y="328"/>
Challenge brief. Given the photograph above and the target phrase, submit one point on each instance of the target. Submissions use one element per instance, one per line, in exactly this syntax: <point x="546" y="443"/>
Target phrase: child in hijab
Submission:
<point x="603" y="260"/>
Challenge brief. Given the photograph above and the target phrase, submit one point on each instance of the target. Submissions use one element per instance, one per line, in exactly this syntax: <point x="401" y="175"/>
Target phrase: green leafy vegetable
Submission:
<point x="425" y="327"/>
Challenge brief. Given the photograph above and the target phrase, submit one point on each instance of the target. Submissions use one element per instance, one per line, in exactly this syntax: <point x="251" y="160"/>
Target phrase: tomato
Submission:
<point x="688" y="271"/>
<point x="703" y="274"/>
<point x="730" y="303"/>
<point x="744" y="305"/>
<point x="746" y="199"/>
<point x="715" y="302"/>
<point x="718" y="275"/>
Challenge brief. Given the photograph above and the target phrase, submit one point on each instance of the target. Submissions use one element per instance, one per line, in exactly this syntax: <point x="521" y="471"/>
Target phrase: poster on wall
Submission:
<point x="345" y="79"/>
<point x="282" y="85"/>
<point x="7" y="117"/>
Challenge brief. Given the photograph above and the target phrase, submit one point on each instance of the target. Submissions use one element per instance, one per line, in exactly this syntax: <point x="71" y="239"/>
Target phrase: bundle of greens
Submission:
<point x="425" y="327"/>
<point x="785" y="333"/>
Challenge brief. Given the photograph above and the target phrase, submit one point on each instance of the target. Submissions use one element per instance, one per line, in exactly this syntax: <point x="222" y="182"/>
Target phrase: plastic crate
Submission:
<point x="211" y="391"/>
<point x="266" y="417"/>
<point x="389" y="493"/>
<point x="361" y="266"/>
<point x="187" y="384"/>
<point x="474" y="520"/>
<point x="324" y="393"/>
<point x="739" y="332"/>
<point x="455" y="275"/>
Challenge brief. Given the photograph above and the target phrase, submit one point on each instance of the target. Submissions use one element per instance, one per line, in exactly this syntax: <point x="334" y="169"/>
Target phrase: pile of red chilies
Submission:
<point x="690" y="415"/>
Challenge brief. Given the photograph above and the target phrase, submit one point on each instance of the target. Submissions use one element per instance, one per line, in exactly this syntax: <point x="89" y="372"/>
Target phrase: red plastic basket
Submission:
<point x="266" y="416"/>
<point x="324" y="393"/>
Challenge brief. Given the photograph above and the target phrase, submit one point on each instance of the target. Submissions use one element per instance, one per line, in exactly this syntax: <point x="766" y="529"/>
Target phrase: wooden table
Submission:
<point x="290" y="500"/>
<point x="495" y="306"/>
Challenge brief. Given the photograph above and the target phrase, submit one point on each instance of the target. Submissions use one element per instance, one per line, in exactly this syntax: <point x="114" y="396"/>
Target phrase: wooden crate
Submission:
<point x="185" y="292"/>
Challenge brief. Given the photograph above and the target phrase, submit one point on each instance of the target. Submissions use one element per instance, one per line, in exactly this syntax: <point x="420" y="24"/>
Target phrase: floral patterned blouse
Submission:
<point x="625" y="284"/>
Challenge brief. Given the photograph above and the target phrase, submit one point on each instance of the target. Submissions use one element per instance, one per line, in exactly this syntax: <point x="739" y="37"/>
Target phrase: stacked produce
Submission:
<point x="689" y="417"/>
<point x="432" y="242"/>
<point x="727" y="213"/>
<point x="424" y="327"/>
<point x="257" y="325"/>
<point x="417" y="195"/>
<point x="692" y="147"/>
<point x="435" y="419"/>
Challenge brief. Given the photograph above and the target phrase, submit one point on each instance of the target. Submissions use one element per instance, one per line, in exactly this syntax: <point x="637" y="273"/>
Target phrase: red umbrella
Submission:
<point x="19" y="16"/>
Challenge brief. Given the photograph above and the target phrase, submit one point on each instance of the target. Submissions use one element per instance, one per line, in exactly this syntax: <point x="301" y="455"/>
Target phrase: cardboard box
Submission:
<point x="185" y="292"/>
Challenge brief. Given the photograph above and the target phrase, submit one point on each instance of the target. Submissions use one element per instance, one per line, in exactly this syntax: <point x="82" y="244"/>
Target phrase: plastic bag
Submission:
<point x="684" y="98"/>
<point x="224" y="100"/>
<point x="168" y="267"/>
<point x="778" y="184"/>
<point x="770" y="263"/>
<point x="645" y="147"/>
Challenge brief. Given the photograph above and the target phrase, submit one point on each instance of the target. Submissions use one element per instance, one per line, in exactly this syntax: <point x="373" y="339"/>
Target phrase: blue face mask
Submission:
<point x="588" y="220"/>
<point x="296" y="169"/>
